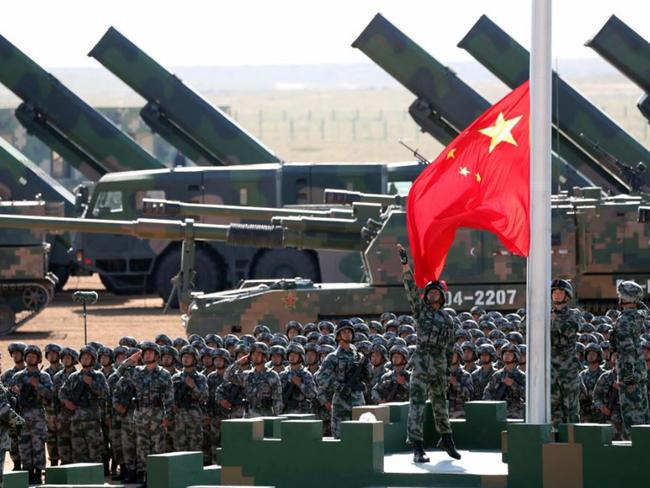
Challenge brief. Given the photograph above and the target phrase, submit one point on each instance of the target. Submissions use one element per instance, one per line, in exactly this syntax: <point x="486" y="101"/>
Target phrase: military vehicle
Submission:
<point x="71" y="127"/>
<point x="196" y="128"/>
<point x="445" y="105"/>
<point x="26" y="285"/>
<point x="586" y="125"/>
<point x="627" y="51"/>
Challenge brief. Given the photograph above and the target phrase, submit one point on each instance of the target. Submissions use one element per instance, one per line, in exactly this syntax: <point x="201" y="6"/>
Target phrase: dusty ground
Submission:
<point x="109" y="319"/>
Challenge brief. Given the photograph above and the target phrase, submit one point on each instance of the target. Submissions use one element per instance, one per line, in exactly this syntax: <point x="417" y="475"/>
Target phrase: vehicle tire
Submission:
<point x="286" y="263"/>
<point x="210" y="275"/>
<point x="62" y="273"/>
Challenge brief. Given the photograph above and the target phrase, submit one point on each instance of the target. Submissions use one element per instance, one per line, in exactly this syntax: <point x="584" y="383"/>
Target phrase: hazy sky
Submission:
<point x="254" y="32"/>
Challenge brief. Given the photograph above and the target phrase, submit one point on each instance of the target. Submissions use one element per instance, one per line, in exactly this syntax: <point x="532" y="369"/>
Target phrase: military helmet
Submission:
<point x="364" y="347"/>
<point x="476" y="333"/>
<point x="309" y="328"/>
<point x="17" y="347"/>
<point x="482" y="340"/>
<point x="205" y="351"/>
<point x="645" y="344"/>
<point x="260" y="347"/>
<point x="327" y="339"/>
<point x="439" y="285"/>
<point x="298" y="349"/>
<point x="163" y="339"/>
<point x="471" y="346"/>
<point x="376" y="325"/>
<point x="629" y="291"/>
<point x="128" y="341"/>
<point x="299" y="338"/>
<point x="458" y="350"/>
<point x="223" y="353"/>
<point x="463" y="316"/>
<point x="34" y="349"/>
<point x="343" y="325"/>
<point x="293" y="324"/>
<point x="279" y="350"/>
<point x="396" y="340"/>
<point x="411" y="339"/>
<point x="468" y="324"/>
<point x="326" y="324"/>
<point x="510" y="347"/>
<point x="612" y="314"/>
<point x="171" y="350"/>
<point x="379" y="339"/>
<point x="248" y="338"/>
<point x="259" y="328"/>
<point x="399" y="350"/>
<point x="95" y="344"/>
<point x="326" y="349"/>
<point x="386" y="316"/>
<point x="580" y="347"/>
<point x="242" y="348"/>
<point x="605" y="345"/>
<point x="523" y="349"/>
<point x="406" y="329"/>
<point x="198" y="345"/>
<point x="587" y="339"/>
<point x="462" y="333"/>
<point x="487" y="324"/>
<point x="406" y="319"/>
<point x="51" y="347"/>
<point x="311" y="346"/>
<point x="148" y="345"/>
<point x="362" y="327"/>
<point x="500" y="342"/>
<point x="476" y="310"/>
<point x="279" y="340"/>
<point x="488" y="349"/>
<point x="313" y="336"/>
<point x="68" y="351"/>
<point x="189" y="350"/>
<point x="587" y="316"/>
<point x="195" y="337"/>
<point x="88" y="350"/>
<point x="515" y="338"/>
<point x="586" y="327"/>
<point x="596" y="348"/>
<point x="496" y="334"/>
<point x="106" y="351"/>
<point x="214" y="339"/>
<point x="564" y="285"/>
<point x="381" y="349"/>
<point x="180" y="342"/>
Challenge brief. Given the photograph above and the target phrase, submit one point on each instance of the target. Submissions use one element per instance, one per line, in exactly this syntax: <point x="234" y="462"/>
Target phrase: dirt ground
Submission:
<point x="109" y="319"/>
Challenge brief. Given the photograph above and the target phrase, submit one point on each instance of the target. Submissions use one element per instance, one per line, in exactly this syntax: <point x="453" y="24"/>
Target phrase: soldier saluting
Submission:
<point x="435" y="341"/>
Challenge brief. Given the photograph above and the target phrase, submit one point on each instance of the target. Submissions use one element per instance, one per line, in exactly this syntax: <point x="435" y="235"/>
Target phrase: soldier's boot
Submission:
<point x="446" y="443"/>
<point x="113" y="467"/>
<point x="121" y="475"/>
<point x="54" y="462"/>
<point x="107" y="469"/>
<point x="419" y="456"/>
<point x="38" y="477"/>
<point x="17" y="466"/>
<point x="140" y="479"/>
<point x="129" y="476"/>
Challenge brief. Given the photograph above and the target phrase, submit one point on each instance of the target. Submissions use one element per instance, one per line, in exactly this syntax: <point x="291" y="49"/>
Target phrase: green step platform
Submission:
<point x="15" y="479"/>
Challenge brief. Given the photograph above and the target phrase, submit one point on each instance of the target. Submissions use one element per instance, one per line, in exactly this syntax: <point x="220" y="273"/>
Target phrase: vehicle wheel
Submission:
<point x="286" y="263"/>
<point x="62" y="273"/>
<point x="209" y="274"/>
<point x="34" y="298"/>
<point x="7" y="319"/>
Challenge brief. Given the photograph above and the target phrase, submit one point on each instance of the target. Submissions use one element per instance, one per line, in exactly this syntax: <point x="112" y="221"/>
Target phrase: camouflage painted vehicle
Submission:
<point x="196" y="128"/>
<point x="71" y="127"/>
<point x="445" y="105"/>
<point x="596" y="241"/>
<point x="597" y="134"/>
<point x="21" y="179"/>
<point x="627" y="51"/>
<point x="26" y="286"/>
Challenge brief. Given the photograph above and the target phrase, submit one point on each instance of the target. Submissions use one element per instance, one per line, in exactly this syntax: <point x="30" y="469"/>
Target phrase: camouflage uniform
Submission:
<point x="436" y="336"/>
<point x="333" y="379"/>
<point x="630" y="368"/>
<point x="216" y="413"/>
<point x="388" y="389"/>
<point x="565" y="385"/>
<point x="605" y="394"/>
<point x="50" y="417"/>
<point x="63" y="417"/>
<point x="460" y="392"/>
<point x="480" y="379"/>
<point x="154" y="399"/>
<point x="14" y="431"/>
<point x="107" y="413"/>
<point x="124" y="395"/>
<point x="377" y="372"/>
<point x="297" y="398"/>
<point x="589" y="378"/>
<point x="86" y="422"/>
<point x="188" y="402"/>
<point x="8" y="418"/>
<point x="30" y="406"/>
<point x="116" y="422"/>
<point x="262" y="389"/>
<point x="514" y="396"/>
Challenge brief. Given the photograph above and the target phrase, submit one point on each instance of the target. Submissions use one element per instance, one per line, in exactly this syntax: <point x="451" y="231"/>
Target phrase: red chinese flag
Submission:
<point x="480" y="180"/>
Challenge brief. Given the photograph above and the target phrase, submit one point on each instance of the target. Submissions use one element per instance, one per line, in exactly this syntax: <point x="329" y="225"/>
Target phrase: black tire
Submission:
<point x="62" y="273"/>
<point x="209" y="273"/>
<point x="286" y="263"/>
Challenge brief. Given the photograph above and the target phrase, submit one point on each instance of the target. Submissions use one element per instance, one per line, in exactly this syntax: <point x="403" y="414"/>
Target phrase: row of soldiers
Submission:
<point x="99" y="403"/>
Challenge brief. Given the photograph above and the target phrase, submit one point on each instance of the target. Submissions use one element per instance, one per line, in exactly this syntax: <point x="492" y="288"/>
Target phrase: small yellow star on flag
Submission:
<point x="451" y="153"/>
<point x="464" y="171"/>
<point x="478" y="177"/>
<point x="500" y="131"/>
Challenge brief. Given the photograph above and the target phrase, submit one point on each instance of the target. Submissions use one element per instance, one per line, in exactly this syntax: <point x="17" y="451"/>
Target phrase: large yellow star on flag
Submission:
<point x="500" y="131"/>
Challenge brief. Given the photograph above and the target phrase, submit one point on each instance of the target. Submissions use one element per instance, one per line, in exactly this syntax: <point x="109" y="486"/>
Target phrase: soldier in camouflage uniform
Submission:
<point x="631" y="370"/>
<point x="589" y="377"/>
<point x="312" y="362"/>
<point x="214" y="410"/>
<point x="154" y="400"/>
<point x="606" y="399"/>
<point x="261" y="386"/>
<point x="69" y="358"/>
<point x="123" y="397"/>
<point x="169" y="360"/>
<point x="53" y="356"/>
<point x="298" y="385"/>
<point x="8" y="418"/>
<point x="33" y="388"/>
<point x="278" y="356"/>
<point x="393" y="386"/>
<point x="378" y="355"/>
<point x="645" y="347"/>
<point x="117" y="451"/>
<point x="85" y="393"/>
<point x="342" y="375"/>
<point x="106" y="358"/>
<point x="322" y="405"/>
<point x="470" y="355"/>
<point x="460" y="388"/>
<point x="508" y="383"/>
<point x="565" y="384"/>
<point x="435" y="335"/>
<point x="190" y="393"/>
<point x="16" y="351"/>
<point x="487" y="355"/>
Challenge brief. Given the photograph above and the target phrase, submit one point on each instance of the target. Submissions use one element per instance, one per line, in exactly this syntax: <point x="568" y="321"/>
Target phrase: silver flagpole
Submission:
<point x="538" y="296"/>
